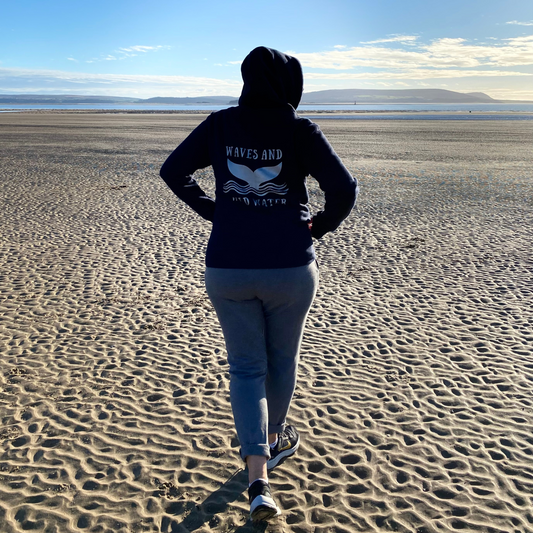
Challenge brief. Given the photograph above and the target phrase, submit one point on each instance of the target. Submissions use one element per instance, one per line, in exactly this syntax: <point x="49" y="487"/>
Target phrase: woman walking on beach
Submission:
<point x="261" y="271"/>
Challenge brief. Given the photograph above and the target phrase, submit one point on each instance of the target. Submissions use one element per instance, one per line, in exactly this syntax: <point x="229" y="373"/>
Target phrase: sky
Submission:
<point x="180" y="48"/>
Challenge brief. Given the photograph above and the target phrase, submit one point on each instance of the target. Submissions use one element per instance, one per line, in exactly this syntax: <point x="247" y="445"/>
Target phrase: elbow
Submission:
<point x="352" y="191"/>
<point x="355" y="191"/>
<point x="168" y="175"/>
<point x="163" y="172"/>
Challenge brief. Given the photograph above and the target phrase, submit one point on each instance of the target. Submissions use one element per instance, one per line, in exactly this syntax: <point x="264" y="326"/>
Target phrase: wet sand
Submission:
<point x="415" y="392"/>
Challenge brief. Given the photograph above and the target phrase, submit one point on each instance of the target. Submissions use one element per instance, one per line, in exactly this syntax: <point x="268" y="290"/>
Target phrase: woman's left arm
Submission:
<point x="340" y="188"/>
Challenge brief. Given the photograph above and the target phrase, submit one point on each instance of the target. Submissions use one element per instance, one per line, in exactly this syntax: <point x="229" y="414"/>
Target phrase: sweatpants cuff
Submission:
<point x="275" y="429"/>
<point x="255" y="449"/>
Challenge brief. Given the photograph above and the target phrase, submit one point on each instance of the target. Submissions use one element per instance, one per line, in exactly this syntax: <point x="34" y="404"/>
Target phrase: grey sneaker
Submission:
<point x="262" y="505"/>
<point x="288" y="442"/>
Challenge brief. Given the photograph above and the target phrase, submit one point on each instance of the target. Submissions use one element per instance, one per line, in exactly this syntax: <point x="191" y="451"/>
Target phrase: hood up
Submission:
<point x="271" y="79"/>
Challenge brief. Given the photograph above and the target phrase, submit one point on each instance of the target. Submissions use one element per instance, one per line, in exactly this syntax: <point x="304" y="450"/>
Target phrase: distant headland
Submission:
<point x="332" y="96"/>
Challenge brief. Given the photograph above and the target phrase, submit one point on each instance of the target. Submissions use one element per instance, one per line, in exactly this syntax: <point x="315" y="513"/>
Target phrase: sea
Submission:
<point x="314" y="111"/>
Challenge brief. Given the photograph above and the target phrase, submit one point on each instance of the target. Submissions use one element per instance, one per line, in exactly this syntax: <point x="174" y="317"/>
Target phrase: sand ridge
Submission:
<point x="414" y="398"/>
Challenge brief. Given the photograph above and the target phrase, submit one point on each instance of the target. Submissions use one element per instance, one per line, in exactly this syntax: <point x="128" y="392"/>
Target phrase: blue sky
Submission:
<point x="189" y="48"/>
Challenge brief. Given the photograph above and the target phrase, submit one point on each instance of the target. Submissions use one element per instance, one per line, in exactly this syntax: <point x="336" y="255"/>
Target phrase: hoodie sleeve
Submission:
<point x="340" y="188"/>
<point x="191" y="155"/>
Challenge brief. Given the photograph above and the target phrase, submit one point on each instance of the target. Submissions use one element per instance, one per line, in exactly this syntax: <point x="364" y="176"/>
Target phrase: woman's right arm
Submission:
<point x="177" y="171"/>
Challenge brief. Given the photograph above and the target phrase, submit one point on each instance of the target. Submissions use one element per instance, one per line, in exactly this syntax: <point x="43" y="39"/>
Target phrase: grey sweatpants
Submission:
<point x="262" y="313"/>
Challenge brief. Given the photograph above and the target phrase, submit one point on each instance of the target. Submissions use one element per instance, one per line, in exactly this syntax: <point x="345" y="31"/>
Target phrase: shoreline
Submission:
<point x="316" y="115"/>
<point x="302" y="113"/>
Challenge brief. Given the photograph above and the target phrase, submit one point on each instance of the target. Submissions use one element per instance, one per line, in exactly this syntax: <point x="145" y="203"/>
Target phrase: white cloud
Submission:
<point x="412" y="74"/>
<point x="394" y="39"/>
<point x="144" y="49"/>
<point x="506" y="93"/>
<point x="22" y="81"/>
<point x="127" y="52"/>
<point x="442" y="53"/>
<point x="517" y="23"/>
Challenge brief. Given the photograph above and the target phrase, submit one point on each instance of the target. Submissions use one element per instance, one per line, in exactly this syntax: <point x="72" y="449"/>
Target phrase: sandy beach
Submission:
<point x="415" y="392"/>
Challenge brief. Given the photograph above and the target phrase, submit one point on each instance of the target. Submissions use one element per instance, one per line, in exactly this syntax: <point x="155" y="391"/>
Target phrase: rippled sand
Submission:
<point x="415" y="394"/>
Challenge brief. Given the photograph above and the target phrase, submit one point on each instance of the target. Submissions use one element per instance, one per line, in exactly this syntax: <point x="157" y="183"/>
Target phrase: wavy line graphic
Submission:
<point x="263" y="190"/>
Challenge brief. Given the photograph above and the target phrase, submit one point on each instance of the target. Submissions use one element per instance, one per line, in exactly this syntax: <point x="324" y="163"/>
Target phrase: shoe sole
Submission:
<point x="271" y="463"/>
<point x="263" y="508"/>
<point x="264" y="514"/>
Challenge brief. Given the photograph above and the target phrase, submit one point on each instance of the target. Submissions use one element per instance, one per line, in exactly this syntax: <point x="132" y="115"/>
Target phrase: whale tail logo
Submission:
<point x="257" y="181"/>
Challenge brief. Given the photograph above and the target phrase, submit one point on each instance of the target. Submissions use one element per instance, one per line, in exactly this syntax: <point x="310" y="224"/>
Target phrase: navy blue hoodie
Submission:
<point x="261" y="153"/>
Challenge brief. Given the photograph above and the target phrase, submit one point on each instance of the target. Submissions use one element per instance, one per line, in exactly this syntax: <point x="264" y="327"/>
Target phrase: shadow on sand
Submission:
<point x="205" y="513"/>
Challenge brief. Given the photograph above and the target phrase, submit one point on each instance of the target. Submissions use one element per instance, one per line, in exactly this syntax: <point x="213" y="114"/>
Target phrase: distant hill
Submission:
<point x="483" y="96"/>
<point x="333" y="96"/>
<point x="58" y="99"/>
<point x="394" y="96"/>
<point x="206" y="100"/>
